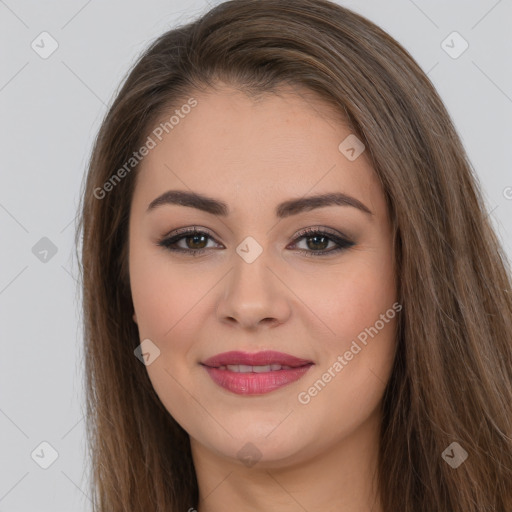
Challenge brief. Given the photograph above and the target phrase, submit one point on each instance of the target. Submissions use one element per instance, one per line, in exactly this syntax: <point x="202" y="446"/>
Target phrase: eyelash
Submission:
<point x="343" y="243"/>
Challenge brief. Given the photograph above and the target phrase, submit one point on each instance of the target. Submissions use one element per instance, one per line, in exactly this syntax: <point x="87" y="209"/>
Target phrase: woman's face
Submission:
<point x="252" y="282"/>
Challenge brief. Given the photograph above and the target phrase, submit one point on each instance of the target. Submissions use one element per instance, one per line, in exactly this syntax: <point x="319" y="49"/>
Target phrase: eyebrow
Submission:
<point x="284" y="209"/>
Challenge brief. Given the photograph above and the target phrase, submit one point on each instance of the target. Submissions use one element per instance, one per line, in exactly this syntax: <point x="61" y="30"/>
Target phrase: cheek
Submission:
<point x="172" y="303"/>
<point x="353" y="368"/>
<point x="153" y="303"/>
<point x="345" y="302"/>
<point x="162" y="292"/>
<point x="358" y="308"/>
<point x="166" y="300"/>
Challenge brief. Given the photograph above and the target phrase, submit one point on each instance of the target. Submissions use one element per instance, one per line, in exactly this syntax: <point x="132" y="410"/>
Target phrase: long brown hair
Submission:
<point x="452" y="375"/>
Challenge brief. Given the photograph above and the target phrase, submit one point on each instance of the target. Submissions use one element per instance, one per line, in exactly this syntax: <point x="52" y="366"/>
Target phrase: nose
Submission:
<point x="254" y="295"/>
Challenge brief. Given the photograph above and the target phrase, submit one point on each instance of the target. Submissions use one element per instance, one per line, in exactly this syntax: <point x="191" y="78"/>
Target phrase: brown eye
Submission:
<point x="198" y="239"/>
<point x="195" y="242"/>
<point x="317" y="242"/>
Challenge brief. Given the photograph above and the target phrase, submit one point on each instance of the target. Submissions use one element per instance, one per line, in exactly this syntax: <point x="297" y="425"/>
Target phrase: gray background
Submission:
<point x="50" y="111"/>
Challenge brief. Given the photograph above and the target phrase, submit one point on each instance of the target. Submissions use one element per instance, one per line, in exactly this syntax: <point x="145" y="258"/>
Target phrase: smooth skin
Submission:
<point x="253" y="154"/>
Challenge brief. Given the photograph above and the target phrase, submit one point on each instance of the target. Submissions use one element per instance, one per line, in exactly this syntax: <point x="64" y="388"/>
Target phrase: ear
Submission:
<point x="134" y="317"/>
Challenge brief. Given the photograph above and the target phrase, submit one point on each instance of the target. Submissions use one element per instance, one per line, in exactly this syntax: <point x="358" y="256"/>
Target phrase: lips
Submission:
<point x="266" y="358"/>
<point x="247" y="373"/>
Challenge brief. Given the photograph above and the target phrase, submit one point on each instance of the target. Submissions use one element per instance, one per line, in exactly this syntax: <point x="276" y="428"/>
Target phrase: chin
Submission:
<point x="273" y="442"/>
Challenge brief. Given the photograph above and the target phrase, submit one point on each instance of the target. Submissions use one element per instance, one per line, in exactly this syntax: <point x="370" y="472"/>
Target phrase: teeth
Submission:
<point x="245" y="368"/>
<point x="261" y="369"/>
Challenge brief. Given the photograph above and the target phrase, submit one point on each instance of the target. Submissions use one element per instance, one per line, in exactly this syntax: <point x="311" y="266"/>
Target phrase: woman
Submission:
<point x="293" y="297"/>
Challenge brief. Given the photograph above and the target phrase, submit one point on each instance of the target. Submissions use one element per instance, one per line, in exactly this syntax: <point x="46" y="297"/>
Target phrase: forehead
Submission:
<point x="265" y="146"/>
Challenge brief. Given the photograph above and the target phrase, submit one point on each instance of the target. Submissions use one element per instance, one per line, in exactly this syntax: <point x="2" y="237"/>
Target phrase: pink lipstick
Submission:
<point x="257" y="373"/>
